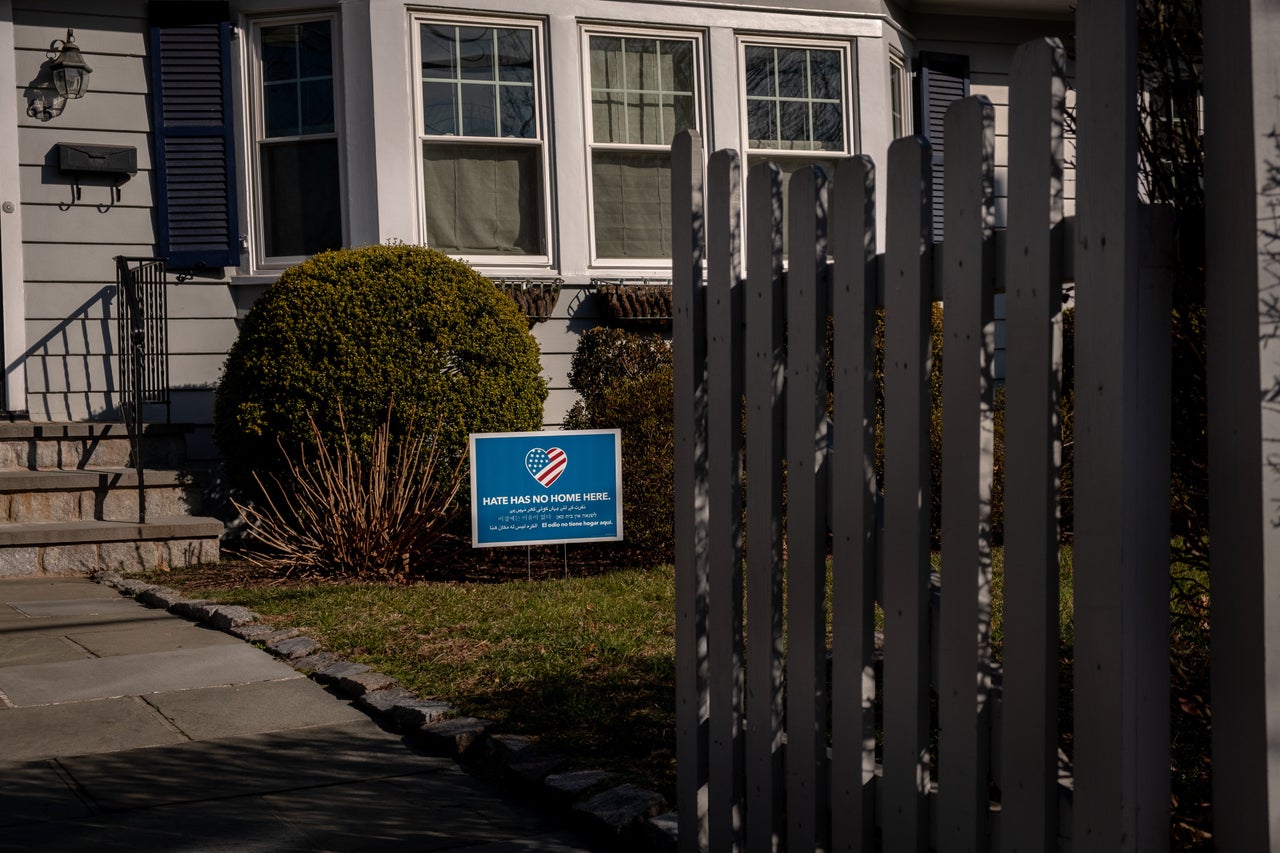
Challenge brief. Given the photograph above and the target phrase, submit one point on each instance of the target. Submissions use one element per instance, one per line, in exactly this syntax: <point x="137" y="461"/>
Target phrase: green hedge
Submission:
<point x="625" y="380"/>
<point x="364" y="327"/>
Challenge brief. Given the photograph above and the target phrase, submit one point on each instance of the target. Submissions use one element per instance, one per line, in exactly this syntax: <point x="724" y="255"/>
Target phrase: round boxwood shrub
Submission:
<point x="364" y="328"/>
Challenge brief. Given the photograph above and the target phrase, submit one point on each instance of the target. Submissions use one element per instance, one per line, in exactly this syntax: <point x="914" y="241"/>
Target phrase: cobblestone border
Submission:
<point x="628" y="814"/>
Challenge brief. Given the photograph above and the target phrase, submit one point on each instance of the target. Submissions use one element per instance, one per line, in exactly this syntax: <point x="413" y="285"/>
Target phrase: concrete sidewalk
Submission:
<point x="126" y="727"/>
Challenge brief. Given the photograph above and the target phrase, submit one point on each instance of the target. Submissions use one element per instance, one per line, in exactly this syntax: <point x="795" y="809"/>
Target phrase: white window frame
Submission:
<point x="257" y="133"/>
<point x="845" y="51"/>
<point x="542" y="139"/>
<point x="698" y="48"/>
<point x="898" y="68"/>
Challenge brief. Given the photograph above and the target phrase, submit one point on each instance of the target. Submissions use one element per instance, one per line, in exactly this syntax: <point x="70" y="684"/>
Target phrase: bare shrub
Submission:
<point x="338" y="515"/>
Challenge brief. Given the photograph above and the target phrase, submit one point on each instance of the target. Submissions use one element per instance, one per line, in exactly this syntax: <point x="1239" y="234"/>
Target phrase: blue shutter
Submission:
<point x="195" y="154"/>
<point x="944" y="77"/>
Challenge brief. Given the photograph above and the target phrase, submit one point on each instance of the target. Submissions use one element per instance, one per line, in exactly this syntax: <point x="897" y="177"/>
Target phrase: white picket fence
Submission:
<point x="766" y="758"/>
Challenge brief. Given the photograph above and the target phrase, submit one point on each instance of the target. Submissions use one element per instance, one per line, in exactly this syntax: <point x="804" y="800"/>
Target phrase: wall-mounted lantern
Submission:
<point x="70" y="71"/>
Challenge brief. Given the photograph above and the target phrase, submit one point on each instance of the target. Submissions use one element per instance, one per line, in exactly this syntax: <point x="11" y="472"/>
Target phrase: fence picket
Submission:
<point x="906" y="469"/>
<point x="1121" y="577"/>
<point x="765" y="393"/>
<point x="1242" y="203"/>
<point x="968" y="440"/>
<point x="1033" y="441"/>
<point x="806" y="514"/>
<point x="853" y="498"/>
<point x="724" y="472"/>
<point x="690" y="416"/>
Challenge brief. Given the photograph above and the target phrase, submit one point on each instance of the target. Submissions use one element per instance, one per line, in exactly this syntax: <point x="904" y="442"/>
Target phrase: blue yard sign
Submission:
<point x="544" y="488"/>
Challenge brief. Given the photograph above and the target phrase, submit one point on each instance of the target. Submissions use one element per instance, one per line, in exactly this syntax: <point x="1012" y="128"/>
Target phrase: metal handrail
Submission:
<point x="143" y="333"/>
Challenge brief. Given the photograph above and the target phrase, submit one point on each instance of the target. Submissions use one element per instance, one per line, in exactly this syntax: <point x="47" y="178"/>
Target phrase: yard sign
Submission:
<point x="544" y="488"/>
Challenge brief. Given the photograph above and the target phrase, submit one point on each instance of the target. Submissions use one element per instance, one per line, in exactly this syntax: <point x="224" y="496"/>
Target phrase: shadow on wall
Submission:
<point x="78" y="350"/>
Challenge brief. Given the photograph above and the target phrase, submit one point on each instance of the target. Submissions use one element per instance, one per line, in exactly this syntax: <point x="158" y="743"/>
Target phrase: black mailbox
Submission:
<point x="97" y="159"/>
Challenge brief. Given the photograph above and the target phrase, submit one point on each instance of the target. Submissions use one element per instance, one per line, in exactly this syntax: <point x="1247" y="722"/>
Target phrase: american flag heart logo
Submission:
<point x="546" y="466"/>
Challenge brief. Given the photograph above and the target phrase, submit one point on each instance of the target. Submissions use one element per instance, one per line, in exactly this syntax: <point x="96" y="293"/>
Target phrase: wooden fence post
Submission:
<point x="1032" y="448"/>
<point x="909" y="235"/>
<point x="853" y="499"/>
<point x="1121" y="571"/>
<point x="765" y="391"/>
<point x="968" y="442"/>
<point x="806" y="762"/>
<point x="724" y="470"/>
<point x="1242" y="236"/>
<point x="691" y="507"/>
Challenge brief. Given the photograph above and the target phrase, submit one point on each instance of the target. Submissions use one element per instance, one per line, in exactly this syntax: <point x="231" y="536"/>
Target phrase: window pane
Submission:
<point x="515" y="52"/>
<point x="678" y="61"/>
<point x="300" y="198"/>
<point x="632" y="194"/>
<point x="479" y="112"/>
<point x="640" y="64"/>
<point x="317" y="106"/>
<point x="824" y="74"/>
<point x="440" y="109"/>
<point x="793" y="73"/>
<point x="762" y="128"/>
<point x="606" y="62"/>
<point x="795" y="121"/>
<point x="475" y="53"/>
<point x="280" y="110"/>
<point x="684" y="115"/>
<point x="438" y="52"/>
<point x="828" y="129"/>
<point x="279" y="53"/>
<point x="608" y="118"/>
<point x="760" y="71"/>
<point x="645" y="120"/>
<point x="518" y="117"/>
<point x="484" y="199"/>
<point x="315" y="56"/>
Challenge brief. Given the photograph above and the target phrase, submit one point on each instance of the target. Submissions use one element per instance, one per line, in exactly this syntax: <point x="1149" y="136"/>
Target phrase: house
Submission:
<point x="529" y="141"/>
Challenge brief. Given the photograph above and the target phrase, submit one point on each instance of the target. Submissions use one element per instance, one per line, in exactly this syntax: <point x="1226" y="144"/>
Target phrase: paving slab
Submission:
<point x="139" y="638"/>
<point x="251" y="764"/>
<point x="82" y="727"/>
<point x="49" y="589"/>
<point x="135" y="675"/>
<point x="22" y="648"/>
<point x="100" y="608"/>
<point x="36" y="791"/>
<point x="235" y="825"/>
<point x="267" y="706"/>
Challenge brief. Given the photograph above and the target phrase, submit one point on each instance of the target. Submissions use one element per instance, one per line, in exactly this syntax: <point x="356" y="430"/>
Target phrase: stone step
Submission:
<point x="109" y="494"/>
<point x="80" y="547"/>
<point x="68" y="446"/>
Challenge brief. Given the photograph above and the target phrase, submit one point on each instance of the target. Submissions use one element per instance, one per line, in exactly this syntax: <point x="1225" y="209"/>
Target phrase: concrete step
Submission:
<point x="109" y="494"/>
<point x="52" y="446"/>
<point x="81" y="547"/>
